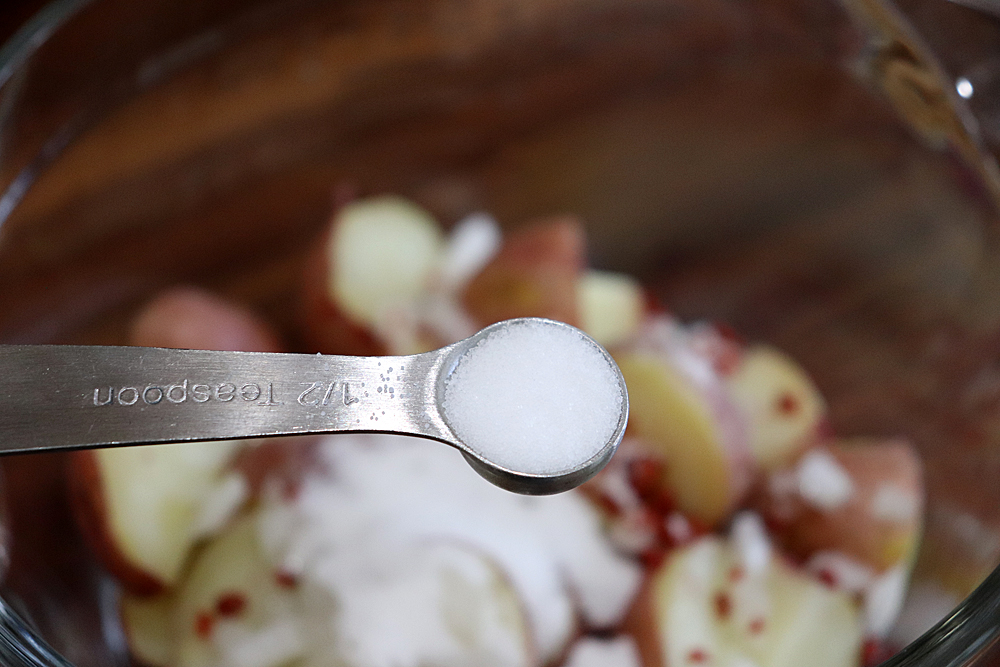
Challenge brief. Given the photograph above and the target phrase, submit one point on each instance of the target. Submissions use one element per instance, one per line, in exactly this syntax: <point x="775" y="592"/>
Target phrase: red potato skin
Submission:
<point x="182" y="317"/>
<point x="854" y="529"/>
<point x="535" y="274"/>
<point x="282" y="461"/>
<point x="85" y="485"/>
<point x="192" y="318"/>
<point x="326" y="328"/>
<point x="641" y="624"/>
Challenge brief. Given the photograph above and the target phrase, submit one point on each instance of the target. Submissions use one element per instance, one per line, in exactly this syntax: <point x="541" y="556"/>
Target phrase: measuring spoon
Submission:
<point x="67" y="397"/>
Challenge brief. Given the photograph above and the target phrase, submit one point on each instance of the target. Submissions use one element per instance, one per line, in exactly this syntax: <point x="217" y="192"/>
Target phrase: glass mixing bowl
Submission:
<point x="798" y="169"/>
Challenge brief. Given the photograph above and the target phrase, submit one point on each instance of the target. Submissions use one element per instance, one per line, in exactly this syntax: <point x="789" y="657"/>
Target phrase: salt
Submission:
<point x="534" y="397"/>
<point x="752" y="545"/>
<point x="823" y="482"/>
<point x="593" y="652"/>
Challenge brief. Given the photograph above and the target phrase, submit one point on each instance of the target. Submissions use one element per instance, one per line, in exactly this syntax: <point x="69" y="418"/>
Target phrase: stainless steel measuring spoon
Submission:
<point x="67" y="397"/>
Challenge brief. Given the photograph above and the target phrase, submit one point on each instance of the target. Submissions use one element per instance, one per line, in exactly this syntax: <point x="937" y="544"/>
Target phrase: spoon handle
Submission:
<point x="65" y="397"/>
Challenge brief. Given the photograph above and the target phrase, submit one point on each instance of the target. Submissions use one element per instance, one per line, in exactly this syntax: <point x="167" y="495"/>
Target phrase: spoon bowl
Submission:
<point x="545" y="374"/>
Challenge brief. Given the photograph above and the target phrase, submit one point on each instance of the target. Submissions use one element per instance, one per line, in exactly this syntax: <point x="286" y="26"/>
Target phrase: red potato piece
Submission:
<point x="144" y="508"/>
<point x="692" y="425"/>
<point x="230" y="582"/>
<point x="325" y="326"/>
<point x="641" y="623"/>
<point x="535" y="274"/>
<point x="694" y="611"/>
<point x="783" y="406"/>
<point x="382" y="252"/>
<point x="90" y="508"/>
<point x="611" y="306"/>
<point x="233" y="604"/>
<point x="879" y="520"/>
<point x="192" y="318"/>
<point x="373" y="265"/>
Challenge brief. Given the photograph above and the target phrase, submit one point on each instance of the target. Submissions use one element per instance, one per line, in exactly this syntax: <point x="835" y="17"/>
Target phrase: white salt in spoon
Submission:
<point x="536" y="406"/>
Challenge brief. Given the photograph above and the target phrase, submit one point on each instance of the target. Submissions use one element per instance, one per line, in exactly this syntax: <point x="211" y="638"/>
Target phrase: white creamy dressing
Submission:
<point x="375" y="533"/>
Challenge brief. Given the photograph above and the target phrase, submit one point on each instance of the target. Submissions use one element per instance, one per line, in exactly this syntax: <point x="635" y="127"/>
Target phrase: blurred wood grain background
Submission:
<point x="14" y="13"/>
<point x="962" y="37"/>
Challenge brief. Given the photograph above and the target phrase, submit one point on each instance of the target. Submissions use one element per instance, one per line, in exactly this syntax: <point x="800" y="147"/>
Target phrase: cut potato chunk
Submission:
<point x="143" y="508"/>
<point x="611" y="306"/>
<point x="535" y="274"/>
<point x="231" y="590"/>
<point x="705" y="606"/>
<point x="810" y="623"/>
<point x="783" y="406"/>
<point x="233" y="593"/>
<point x="325" y="326"/>
<point x="876" y="517"/>
<point x="364" y="284"/>
<point x="381" y="256"/>
<point x="147" y="625"/>
<point x="694" y="429"/>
